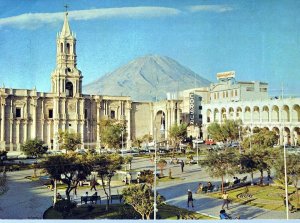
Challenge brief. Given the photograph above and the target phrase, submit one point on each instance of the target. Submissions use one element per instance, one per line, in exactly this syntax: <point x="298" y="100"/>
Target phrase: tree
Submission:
<point x="141" y="198"/>
<point x="227" y="131"/>
<point x="111" y="132"/>
<point x="70" y="169"/>
<point x="220" y="164"/>
<point x="177" y="133"/>
<point x="147" y="138"/>
<point x="161" y="165"/>
<point x="34" y="147"/>
<point x="106" y="166"/>
<point x="147" y="176"/>
<point x="68" y="140"/>
<point x="137" y="142"/>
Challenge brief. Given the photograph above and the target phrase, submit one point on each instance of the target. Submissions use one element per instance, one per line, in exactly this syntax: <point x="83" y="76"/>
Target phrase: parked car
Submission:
<point x="209" y="142"/>
<point x="23" y="156"/>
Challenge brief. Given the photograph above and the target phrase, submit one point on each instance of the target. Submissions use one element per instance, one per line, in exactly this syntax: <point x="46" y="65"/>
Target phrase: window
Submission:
<point x="112" y="114"/>
<point x="235" y="92"/>
<point x="68" y="48"/>
<point x="18" y="112"/>
<point x="85" y="113"/>
<point x="200" y="107"/>
<point x="249" y="88"/>
<point x="223" y="94"/>
<point x="69" y="89"/>
<point x="226" y="94"/>
<point x="61" y="47"/>
<point x="200" y="116"/>
<point x="50" y="113"/>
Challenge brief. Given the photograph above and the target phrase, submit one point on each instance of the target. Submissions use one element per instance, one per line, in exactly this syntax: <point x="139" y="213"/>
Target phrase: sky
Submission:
<point x="258" y="39"/>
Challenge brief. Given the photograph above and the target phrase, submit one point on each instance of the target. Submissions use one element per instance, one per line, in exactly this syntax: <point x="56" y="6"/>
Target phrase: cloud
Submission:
<point x="210" y="8"/>
<point x="36" y="20"/>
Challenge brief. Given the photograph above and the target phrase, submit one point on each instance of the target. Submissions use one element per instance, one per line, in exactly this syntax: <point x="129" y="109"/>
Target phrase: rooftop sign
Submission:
<point x="226" y="75"/>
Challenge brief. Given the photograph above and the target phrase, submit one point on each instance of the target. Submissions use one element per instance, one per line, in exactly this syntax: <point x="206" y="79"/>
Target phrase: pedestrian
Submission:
<point x="190" y="199"/>
<point x="52" y="184"/>
<point x="182" y="165"/>
<point x="93" y="185"/>
<point x="224" y="215"/>
<point x="225" y="200"/>
<point x="199" y="189"/>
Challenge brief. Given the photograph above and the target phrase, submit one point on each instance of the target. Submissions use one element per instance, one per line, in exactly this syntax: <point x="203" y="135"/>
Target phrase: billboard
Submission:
<point x="192" y="108"/>
<point x="226" y="75"/>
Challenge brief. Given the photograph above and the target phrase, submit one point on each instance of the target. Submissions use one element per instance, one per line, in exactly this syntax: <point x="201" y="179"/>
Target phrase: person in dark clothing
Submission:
<point x="182" y="165"/>
<point x="93" y="185"/>
<point x="224" y="215"/>
<point x="190" y="199"/>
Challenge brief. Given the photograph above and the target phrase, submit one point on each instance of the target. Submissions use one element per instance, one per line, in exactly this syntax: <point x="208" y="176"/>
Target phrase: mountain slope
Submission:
<point x="146" y="78"/>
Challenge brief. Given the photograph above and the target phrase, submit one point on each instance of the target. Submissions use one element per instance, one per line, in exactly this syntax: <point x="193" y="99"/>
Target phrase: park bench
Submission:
<point x="116" y="197"/>
<point x="92" y="199"/>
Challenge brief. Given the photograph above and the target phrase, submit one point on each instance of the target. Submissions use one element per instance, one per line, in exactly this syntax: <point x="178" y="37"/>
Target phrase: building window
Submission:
<point x="200" y="116"/>
<point x="18" y="112"/>
<point x="85" y="113"/>
<point x="69" y="89"/>
<point x="61" y="47"/>
<point x="263" y="89"/>
<point x="235" y="92"/>
<point x="223" y="94"/>
<point x="200" y="107"/>
<point x="112" y="114"/>
<point x="68" y="48"/>
<point x="50" y="113"/>
<point x="249" y="89"/>
<point x="226" y="94"/>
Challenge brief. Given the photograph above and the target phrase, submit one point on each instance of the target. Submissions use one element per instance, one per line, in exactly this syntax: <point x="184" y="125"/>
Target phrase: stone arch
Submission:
<point x="285" y="114"/>
<point x="255" y="115"/>
<point x="216" y="115"/>
<point x="275" y="114"/>
<point x="223" y="114"/>
<point x="247" y="114"/>
<point x="69" y="89"/>
<point x="296" y="136"/>
<point x="286" y="135"/>
<point x="159" y="125"/>
<point x="208" y="116"/>
<point x="277" y="131"/>
<point x="296" y="113"/>
<point x="239" y="112"/>
<point x="231" y="113"/>
<point x="265" y="114"/>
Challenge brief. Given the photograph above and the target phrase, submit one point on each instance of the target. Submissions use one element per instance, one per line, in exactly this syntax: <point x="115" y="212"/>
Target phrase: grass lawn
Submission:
<point x="120" y="211"/>
<point x="268" y="197"/>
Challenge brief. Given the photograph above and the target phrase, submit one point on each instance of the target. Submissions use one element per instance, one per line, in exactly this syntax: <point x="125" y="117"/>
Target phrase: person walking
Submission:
<point x="190" y="199"/>
<point x="182" y="165"/>
<point x="93" y="185"/>
<point x="225" y="200"/>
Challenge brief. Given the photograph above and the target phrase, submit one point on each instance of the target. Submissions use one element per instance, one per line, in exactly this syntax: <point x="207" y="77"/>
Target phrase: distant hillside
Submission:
<point x="146" y="78"/>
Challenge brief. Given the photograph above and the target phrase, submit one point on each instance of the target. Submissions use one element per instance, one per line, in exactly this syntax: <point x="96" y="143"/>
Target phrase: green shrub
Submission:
<point x="64" y="206"/>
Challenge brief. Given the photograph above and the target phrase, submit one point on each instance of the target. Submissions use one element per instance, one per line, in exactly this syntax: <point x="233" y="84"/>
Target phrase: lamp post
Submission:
<point x="154" y="200"/>
<point x="197" y="152"/>
<point x="55" y="193"/>
<point x="240" y="140"/>
<point x="122" y="140"/>
<point x="285" y="179"/>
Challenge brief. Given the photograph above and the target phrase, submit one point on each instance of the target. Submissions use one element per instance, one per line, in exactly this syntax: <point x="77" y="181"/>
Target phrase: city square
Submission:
<point x="210" y="150"/>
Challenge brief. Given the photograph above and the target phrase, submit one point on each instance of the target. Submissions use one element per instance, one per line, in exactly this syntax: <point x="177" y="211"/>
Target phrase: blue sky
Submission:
<point x="259" y="39"/>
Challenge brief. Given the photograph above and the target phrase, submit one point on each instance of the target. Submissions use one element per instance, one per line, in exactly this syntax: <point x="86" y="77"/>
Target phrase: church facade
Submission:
<point x="28" y="114"/>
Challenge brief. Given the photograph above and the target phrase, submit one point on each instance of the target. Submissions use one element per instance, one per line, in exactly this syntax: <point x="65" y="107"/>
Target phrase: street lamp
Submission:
<point x="285" y="178"/>
<point x="122" y="140"/>
<point x="154" y="202"/>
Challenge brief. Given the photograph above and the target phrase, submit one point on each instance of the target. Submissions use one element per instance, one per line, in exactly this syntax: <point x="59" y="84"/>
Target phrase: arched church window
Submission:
<point x="68" y="48"/>
<point x="61" y="47"/>
<point x="69" y="89"/>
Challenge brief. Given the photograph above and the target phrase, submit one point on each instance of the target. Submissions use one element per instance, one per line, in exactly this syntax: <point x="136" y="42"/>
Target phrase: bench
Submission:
<point x="116" y="197"/>
<point x="92" y="199"/>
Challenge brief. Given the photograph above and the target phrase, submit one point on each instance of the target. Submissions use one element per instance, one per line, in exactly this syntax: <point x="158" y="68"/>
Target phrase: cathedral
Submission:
<point x="28" y="114"/>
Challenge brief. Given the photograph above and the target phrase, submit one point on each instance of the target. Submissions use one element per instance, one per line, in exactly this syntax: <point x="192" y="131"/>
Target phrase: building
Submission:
<point x="28" y="114"/>
<point x="250" y="102"/>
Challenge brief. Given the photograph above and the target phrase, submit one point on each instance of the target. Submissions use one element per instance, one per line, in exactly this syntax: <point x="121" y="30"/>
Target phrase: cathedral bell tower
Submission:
<point x="66" y="79"/>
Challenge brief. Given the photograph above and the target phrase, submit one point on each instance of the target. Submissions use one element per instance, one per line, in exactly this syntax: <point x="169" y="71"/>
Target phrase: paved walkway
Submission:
<point x="28" y="200"/>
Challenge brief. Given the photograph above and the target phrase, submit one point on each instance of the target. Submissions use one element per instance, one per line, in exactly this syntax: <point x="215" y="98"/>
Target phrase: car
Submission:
<point x="23" y="156"/>
<point x="209" y="142"/>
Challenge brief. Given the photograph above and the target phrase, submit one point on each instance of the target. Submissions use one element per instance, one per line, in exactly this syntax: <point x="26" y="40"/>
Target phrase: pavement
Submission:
<point x="27" y="199"/>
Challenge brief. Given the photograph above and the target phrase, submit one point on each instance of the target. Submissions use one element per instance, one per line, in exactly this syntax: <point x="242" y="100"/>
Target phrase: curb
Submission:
<point x="208" y="215"/>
